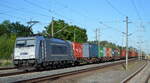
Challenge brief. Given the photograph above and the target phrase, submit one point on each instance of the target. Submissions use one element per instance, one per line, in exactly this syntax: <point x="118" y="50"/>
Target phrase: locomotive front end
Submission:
<point x="24" y="52"/>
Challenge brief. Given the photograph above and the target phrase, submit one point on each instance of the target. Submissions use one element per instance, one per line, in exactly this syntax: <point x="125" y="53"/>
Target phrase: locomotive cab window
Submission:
<point x="58" y="49"/>
<point x="30" y="42"/>
<point x="20" y="43"/>
<point x="25" y="43"/>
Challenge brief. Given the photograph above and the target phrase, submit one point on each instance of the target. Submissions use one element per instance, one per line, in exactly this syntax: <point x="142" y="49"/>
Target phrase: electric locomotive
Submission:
<point x="40" y="52"/>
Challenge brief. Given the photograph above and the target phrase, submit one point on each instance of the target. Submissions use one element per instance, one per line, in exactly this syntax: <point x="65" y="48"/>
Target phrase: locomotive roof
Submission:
<point x="31" y="37"/>
<point x="41" y="37"/>
<point x="56" y="40"/>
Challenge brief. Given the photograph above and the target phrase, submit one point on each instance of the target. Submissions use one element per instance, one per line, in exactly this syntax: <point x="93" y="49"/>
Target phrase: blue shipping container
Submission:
<point x="93" y="48"/>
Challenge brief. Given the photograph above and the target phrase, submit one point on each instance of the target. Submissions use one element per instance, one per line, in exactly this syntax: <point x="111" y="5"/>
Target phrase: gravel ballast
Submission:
<point x="114" y="74"/>
<point x="47" y="73"/>
<point x="142" y="76"/>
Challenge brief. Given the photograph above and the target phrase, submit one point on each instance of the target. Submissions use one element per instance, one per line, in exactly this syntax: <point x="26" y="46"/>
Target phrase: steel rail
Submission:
<point x="7" y="68"/>
<point x="126" y="80"/>
<point x="15" y="73"/>
<point x="57" y="76"/>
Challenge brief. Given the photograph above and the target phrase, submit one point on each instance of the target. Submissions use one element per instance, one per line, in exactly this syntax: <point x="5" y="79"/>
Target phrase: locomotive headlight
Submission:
<point x="31" y="56"/>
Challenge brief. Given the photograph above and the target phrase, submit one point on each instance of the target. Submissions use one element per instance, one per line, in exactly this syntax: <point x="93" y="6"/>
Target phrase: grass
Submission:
<point x="4" y="62"/>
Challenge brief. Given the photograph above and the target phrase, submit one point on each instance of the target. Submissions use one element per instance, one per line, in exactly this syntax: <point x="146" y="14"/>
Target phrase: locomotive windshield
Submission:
<point x="25" y="43"/>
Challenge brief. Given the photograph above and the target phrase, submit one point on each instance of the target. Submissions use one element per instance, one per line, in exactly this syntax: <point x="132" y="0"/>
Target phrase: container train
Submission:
<point x="40" y="52"/>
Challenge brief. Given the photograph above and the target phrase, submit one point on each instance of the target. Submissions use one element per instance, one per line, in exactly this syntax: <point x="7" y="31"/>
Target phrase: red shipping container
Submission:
<point x="77" y="50"/>
<point x="136" y="54"/>
<point x="133" y="53"/>
<point x="108" y="52"/>
<point x="129" y="53"/>
<point x="123" y="53"/>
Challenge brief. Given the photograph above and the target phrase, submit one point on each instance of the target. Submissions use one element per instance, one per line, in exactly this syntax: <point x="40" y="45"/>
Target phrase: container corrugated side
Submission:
<point x="101" y="51"/>
<point x="104" y="50"/>
<point x="108" y="52"/>
<point x="86" y="50"/>
<point x="77" y="49"/>
<point x="93" y="50"/>
<point x="123" y="52"/>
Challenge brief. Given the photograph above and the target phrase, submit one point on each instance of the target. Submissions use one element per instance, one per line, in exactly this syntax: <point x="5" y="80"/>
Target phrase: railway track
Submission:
<point x="147" y="79"/>
<point x="15" y="73"/>
<point x="57" y="76"/>
<point x="7" y="68"/>
<point x="126" y="80"/>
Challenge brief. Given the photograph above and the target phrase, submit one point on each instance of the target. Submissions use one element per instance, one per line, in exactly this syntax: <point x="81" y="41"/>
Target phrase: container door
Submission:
<point x="104" y="51"/>
<point x="93" y="50"/>
<point x="77" y="48"/>
<point x="107" y="52"/>
<point x="86" y="50"/>
<point x="110" y="51"/>
<point x="123" y="53"/>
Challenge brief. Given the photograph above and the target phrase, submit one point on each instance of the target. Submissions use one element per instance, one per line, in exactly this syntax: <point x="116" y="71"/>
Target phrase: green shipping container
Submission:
<point x="100" y="51"/>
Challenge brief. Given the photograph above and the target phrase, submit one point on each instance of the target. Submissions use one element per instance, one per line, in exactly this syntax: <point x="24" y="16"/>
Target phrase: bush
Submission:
<point x="6" y="46"/>
<point x="7" y="62"/>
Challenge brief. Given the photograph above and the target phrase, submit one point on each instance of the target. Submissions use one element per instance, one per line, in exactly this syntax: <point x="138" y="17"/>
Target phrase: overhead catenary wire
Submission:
<point x="71" y="9"/>
<point x="136" y="10"/>
<point x="23" y="11"/>
<point x="20" y="10"/>
<point x="6" y="11"/>
<point x="109" y="27"/>
<point x="61" y="29"/>
<point x="8" y="6"/>
<point x="50" y="10"/>
<point x="41" y="7"/>
<point x="141" y="28"/>
<point x="13" y="16"/>
<point x="138" y="14"/>
<point x="79" y="13"/>
<point x="35" y="5"/>
<point x="116" y="9"/>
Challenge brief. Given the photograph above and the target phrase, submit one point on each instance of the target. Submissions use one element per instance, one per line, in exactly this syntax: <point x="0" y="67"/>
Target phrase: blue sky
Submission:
<point x="87" y="14"/>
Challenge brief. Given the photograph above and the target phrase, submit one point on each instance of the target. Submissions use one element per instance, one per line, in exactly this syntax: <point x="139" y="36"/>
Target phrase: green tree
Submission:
<point x="68" y="32"/>
<point x="8" y="33"/>
<point x="20" y="29"/>
<point x="6" y="46"/>
<point x="6" y="27"/>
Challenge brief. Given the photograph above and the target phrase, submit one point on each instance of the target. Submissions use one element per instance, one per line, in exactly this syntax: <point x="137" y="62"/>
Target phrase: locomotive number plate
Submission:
<point x="24" y="53"/>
